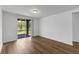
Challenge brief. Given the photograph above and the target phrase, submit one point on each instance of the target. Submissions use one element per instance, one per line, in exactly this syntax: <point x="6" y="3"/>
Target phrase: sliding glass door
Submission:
<point x="23" y="28"/>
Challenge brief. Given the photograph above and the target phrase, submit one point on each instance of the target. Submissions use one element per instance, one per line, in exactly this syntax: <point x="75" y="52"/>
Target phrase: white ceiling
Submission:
<point x="45" y="10"/>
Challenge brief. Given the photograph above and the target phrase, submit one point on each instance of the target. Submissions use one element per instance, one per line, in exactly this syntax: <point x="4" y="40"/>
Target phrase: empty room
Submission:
<point x="39" y="29"/>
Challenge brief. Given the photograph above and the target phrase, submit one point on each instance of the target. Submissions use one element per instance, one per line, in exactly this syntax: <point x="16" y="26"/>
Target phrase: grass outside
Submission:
<point x="22" y="32"/>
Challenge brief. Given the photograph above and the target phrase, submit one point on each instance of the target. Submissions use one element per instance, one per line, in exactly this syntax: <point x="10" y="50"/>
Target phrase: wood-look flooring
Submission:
<point x="38" y="45"/>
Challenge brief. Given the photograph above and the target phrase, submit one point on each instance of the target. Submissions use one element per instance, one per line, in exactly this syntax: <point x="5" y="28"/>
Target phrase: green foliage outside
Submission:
<point x="21" y="27"/>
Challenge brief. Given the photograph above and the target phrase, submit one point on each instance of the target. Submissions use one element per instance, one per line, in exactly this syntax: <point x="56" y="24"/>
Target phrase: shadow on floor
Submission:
<point x="23" y="36"/>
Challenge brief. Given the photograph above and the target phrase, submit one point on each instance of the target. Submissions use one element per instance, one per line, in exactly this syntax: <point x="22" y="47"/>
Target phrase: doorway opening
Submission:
<point x="75" y="20"/>
<point x="23" y="28"/>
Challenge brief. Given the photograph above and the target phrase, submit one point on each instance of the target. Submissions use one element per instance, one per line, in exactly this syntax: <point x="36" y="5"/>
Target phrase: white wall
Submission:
<point x="10" y="26"/>
<point x="57" y="27"/>
<point x="0" y="28"/>
<point x="76" y="26"/>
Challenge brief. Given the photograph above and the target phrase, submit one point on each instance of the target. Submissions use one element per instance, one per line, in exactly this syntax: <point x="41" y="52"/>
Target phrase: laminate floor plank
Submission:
<point x="39" y="45"/>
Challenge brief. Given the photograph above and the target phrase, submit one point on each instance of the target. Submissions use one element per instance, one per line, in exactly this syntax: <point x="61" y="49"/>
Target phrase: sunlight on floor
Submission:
<point x="20" y="45"/>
